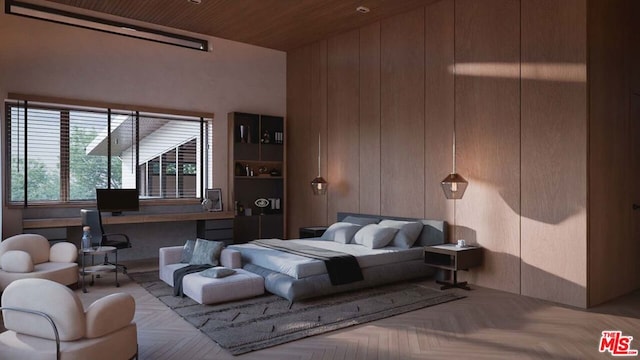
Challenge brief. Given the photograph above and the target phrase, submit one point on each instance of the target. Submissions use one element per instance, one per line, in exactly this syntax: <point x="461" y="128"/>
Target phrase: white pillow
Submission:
<point x="408" y="232"/>
<point x="374" y="236"/>
<point x="341" y="232"/>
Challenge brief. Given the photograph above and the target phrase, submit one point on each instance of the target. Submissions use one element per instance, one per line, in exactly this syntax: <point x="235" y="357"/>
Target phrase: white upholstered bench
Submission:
<point x="205" y="290"/>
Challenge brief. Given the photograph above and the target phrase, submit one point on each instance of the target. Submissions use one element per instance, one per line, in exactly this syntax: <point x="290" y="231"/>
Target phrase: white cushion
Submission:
<point x="109" y="314"/>
<point x="408" y="232"/>
<point x="341" y="232"/>
<point x="241" y="285"/>
<point x="374" y="236"/>
<point x="36" y="245"/>
<point x="17" y="261"/>
<point x="63" y="252"/>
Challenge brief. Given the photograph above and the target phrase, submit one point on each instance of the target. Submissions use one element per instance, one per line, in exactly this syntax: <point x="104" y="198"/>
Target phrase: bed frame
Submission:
<point x="434" y="232"/>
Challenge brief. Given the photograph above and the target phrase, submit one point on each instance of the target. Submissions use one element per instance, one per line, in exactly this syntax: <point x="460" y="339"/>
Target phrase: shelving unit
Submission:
<point x="257" y="171"/>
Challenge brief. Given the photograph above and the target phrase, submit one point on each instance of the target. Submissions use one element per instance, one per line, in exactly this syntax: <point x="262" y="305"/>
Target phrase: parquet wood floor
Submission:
<point x="487" y="324"/>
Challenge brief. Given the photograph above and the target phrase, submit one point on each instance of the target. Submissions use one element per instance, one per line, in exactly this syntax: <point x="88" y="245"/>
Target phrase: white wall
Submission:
<point x="44" y="58"/>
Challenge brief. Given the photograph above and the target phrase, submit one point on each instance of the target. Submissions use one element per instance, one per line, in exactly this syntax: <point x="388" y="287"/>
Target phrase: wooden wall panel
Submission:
<point x="306" y="118"/>
<point x="317" y="205"/>
<point x="298" y="118"/>
<point x="402" y="114"/>
<point x="439" y="107"/>
<point x="610" y="212"/>
<point x="343" y="123"/>
<point x="370" y="119"/>
<point x="554" y="131"/>
<point x="488" y="136"/>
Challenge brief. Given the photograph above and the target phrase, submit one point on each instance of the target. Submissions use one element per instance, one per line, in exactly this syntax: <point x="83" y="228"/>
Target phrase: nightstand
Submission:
<point x="312" y="231"/>
<point x="453" y="258"/>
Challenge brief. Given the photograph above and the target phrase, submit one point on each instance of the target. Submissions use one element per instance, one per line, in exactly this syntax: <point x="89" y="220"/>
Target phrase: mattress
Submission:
<point x="300" y="267"/>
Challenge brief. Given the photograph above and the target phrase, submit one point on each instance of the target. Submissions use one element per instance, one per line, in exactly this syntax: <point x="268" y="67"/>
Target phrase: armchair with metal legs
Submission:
<point x="93" y="219"/>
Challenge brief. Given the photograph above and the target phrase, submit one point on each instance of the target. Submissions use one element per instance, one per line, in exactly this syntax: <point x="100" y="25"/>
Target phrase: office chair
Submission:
<point x="93" y="219"/>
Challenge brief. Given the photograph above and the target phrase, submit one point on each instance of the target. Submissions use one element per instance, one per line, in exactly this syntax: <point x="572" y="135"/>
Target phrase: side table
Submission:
<point x="97" y="269"/>
<point x="312" y="231"/>
<point x="453" y="258"/>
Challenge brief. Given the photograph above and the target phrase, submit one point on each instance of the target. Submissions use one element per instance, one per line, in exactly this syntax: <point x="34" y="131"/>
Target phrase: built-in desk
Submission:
<point x="148" y="232"/>
<point x="128" y="219"/>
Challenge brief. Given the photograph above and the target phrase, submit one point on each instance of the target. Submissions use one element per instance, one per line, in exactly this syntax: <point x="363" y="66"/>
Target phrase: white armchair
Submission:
<point x="30" y="256"/>
<point x="46" y="320"/>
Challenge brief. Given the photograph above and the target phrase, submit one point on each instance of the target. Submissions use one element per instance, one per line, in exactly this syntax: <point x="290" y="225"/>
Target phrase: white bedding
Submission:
<point x="300" y="267"/>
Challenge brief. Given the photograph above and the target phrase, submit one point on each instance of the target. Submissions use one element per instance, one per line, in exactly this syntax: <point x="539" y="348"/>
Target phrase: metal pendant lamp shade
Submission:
<point x="454" y="186"/>
<point x="319" y="185"/>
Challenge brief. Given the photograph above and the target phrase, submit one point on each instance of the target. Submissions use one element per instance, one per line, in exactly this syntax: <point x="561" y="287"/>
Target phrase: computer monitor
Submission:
<point x="117" y="200"/>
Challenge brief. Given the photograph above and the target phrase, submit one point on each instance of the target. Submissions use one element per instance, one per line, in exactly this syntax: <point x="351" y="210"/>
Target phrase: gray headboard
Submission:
<point x="434" y="232"/>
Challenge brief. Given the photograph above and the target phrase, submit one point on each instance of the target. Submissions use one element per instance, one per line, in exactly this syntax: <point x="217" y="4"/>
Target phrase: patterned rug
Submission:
<point x="269" y="320"/>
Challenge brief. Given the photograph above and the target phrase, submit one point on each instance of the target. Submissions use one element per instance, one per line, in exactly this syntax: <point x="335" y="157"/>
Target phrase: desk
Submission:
<point x="128" y="219"/>
<point x="150" y="231"/>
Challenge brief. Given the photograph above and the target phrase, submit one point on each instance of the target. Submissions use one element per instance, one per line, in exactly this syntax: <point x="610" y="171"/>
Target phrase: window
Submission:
<point x="61" y="153"/>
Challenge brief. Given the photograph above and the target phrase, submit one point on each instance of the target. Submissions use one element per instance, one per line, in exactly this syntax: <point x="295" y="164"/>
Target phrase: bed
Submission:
<point x="295" y="277"/>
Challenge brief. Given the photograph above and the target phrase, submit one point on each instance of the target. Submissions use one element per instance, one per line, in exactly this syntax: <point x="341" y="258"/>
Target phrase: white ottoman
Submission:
<point x="206" y="290"/>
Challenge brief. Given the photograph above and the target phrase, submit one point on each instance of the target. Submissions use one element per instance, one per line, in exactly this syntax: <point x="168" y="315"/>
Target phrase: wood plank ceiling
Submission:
<point x="276" y="24"/>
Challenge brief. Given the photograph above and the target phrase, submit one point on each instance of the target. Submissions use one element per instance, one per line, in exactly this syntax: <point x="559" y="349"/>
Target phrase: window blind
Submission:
<point x="62" y="153"/>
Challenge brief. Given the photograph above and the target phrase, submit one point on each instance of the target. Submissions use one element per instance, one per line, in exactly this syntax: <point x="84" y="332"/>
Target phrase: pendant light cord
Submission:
<point x="319" y="154"/>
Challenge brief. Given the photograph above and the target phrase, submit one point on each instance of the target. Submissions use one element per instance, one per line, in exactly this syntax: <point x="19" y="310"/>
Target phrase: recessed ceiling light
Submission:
<point x="362" y="9"/>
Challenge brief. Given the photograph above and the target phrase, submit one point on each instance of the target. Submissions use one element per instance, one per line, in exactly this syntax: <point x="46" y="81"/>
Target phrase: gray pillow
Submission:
<point x="408" y="232"/>
<point x="341" y="232"/>
<point x="362" y="221"/>
<point x="217" y="272"/>
<point x="187" y="251"/>
<point x="374" y="236"/>
<point x="206" y="252"/>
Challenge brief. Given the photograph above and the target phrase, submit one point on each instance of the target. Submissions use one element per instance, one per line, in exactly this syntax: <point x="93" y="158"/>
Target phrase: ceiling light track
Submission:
<point x="104" y="25"/>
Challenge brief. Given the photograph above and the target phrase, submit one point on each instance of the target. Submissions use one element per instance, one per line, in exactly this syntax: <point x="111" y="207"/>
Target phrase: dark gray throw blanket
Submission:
<point x="180" y="273"/>
<point x="342" y="268"/>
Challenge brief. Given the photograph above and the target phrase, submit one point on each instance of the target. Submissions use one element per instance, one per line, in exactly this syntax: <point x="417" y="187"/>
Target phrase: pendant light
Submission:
<point x="454" y="184"/>
<point x="319" y="184"/>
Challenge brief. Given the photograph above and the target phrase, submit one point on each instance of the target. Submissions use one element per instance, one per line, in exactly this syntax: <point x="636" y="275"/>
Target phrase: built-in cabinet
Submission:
<point x="542" y="107"/>
<point x="257" y="175"/>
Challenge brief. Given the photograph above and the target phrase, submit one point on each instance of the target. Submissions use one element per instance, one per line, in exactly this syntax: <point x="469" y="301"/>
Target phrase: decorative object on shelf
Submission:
<point x="266" y="138"/>
<point x="279" y="137"/>
<point x="240" y="209"/>
<point x="319" y="185"/>
<point x="245" y="137"/>
<point x="454" y="185"/>
<point x="213" y="200"/>
<point x="239" y="170"/>
<point x="275" y="204"/>
<point x="263" y="170"/>
<point x="261" y="203"/>
<point x="275" y="172"/>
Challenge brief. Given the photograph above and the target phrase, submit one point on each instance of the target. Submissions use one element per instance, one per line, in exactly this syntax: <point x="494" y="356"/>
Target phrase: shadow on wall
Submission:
<point x="557" y="289"/>
<point x="542" y="182"/>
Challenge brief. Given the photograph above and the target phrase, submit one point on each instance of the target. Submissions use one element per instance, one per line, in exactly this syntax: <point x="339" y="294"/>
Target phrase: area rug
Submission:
<point x="269" y="320"/>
